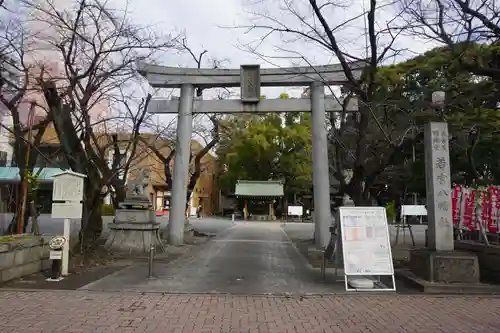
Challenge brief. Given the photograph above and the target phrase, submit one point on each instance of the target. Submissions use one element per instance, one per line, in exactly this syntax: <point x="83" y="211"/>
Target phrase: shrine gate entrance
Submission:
<point x="250" y="78"/>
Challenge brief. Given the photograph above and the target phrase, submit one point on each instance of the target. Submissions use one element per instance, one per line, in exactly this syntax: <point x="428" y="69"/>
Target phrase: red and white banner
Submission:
<point x="463" y="201"/>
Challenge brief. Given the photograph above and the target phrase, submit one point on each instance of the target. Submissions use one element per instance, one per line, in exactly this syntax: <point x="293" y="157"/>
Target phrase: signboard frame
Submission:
<point x="67" y="205"/>
<point x="342" y="212"/>
<point x="413" y="210"/>
<point x="67" y="210"/>
<point x="59" y="186"/>
<point x="55" y="255"/>
<point x="295" y="209"/>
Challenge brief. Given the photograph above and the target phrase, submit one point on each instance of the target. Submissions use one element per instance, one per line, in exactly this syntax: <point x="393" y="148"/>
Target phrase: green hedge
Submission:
<point x="390" y="209"/>
<point x="108" y="210"/>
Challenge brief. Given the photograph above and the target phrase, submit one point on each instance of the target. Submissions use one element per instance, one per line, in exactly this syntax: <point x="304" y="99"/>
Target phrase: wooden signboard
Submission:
<point x="67" y="210"/>
<point x="68" y="186"/>
<point x="366" y="244"/>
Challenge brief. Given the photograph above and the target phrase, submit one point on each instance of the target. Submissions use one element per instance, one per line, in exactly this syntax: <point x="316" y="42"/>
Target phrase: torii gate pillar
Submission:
<point x="177" y="216"/>
<point x="320" y="166"/>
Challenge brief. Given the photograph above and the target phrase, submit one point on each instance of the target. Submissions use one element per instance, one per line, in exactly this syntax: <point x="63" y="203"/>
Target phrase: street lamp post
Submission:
<point x="438" y="101"/>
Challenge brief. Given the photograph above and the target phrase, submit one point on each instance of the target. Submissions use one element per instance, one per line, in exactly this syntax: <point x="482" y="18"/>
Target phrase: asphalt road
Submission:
<point x="246" y="258"/>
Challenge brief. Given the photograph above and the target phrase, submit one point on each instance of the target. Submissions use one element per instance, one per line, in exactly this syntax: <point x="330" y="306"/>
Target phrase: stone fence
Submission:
<point x="21" y="255"/>
<point x="488" y="257"/>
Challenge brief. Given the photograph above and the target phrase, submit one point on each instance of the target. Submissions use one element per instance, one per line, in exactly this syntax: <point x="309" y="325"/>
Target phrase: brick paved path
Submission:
<point x="78" y="311"/>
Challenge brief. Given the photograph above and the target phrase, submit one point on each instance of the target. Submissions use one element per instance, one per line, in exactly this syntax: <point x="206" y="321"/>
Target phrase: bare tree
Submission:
<point x="16" y="84"/>
<point x="460" y="25"/>
<point x="366" y="143"/>
<point x="97" y="49"/>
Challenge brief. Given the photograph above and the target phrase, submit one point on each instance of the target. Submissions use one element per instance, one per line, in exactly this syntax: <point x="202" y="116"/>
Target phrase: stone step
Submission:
<point x="446" y="288"/>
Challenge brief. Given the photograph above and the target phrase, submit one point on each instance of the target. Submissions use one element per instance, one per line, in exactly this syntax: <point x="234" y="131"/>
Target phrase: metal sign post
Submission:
<point x="67" y="196"/>
<point x="409" y="210"/>
<point x="366" y="249"/>
<point x="56" y="245"/>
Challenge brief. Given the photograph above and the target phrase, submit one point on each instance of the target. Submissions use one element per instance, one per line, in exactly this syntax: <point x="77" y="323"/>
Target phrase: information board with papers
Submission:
<point x="365" y="241"/>
<point x="295" y="210"/>
<point x="68" y="186"/>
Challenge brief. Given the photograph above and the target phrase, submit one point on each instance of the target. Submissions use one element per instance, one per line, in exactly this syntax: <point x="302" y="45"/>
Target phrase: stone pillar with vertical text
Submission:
<point x="438" y="186"/>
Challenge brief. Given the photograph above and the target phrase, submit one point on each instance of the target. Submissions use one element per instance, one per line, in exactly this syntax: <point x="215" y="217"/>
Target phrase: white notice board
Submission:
<point x="295" y="210"/>
<point x="68" y="186"/>
<point x="365" y="241"/>
<point x="413" y="210"/>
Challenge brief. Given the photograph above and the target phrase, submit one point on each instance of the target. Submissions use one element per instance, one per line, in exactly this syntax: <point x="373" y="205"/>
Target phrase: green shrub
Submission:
<point x="390" y="209"/>
<point x="108" y="210"/>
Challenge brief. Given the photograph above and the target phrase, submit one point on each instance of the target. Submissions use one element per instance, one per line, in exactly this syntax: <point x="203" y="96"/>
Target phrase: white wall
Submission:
<point x="5" y="145"/>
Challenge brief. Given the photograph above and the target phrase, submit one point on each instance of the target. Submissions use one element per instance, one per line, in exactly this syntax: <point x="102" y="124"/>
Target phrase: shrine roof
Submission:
<point x="11" y="174"/>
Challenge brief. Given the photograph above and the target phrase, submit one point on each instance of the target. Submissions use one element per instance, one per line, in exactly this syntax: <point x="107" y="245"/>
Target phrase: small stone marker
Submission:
<point x="438" y="186"/>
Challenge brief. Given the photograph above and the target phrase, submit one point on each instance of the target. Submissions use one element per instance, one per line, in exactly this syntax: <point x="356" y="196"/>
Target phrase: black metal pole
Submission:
<point x="55" y="272"/>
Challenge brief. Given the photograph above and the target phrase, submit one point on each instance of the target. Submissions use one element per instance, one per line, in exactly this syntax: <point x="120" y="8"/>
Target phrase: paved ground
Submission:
<point x="306" y="230"/>
<point x="52" y="226"/>
<point x="89" y="312"/>
<point x="210" y="225"/>
<point x="253" y="258"/>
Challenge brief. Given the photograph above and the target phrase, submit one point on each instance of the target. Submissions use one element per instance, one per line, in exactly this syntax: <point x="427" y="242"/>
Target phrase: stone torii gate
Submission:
<point x="250" y="78"/>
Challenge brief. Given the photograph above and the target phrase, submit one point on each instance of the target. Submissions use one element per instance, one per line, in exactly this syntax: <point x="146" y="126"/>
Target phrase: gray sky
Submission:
<point x="207" y="26"/>
<point x="203" y="23"/>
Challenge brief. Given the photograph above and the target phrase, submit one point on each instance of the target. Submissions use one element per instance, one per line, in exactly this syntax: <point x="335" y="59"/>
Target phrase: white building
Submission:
<point x="6" y="148"/>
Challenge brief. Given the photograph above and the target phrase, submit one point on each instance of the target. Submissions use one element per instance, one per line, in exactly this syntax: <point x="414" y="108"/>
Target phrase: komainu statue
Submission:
<point x="137" y="187"/>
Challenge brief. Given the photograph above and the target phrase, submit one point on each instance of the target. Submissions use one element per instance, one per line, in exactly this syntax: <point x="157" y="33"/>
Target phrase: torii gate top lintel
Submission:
<point x="174" y="77"/>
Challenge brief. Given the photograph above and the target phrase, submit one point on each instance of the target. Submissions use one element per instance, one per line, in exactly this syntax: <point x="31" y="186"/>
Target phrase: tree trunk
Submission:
<point x="35" y="227"/>
<point x="188" y="211"/>
<point x="119" y="195"/>
<point x="12" y="228"/>
<point x="188" y="198"/>
<point x="357" y="193"/>
<point x="91" y="227"/>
